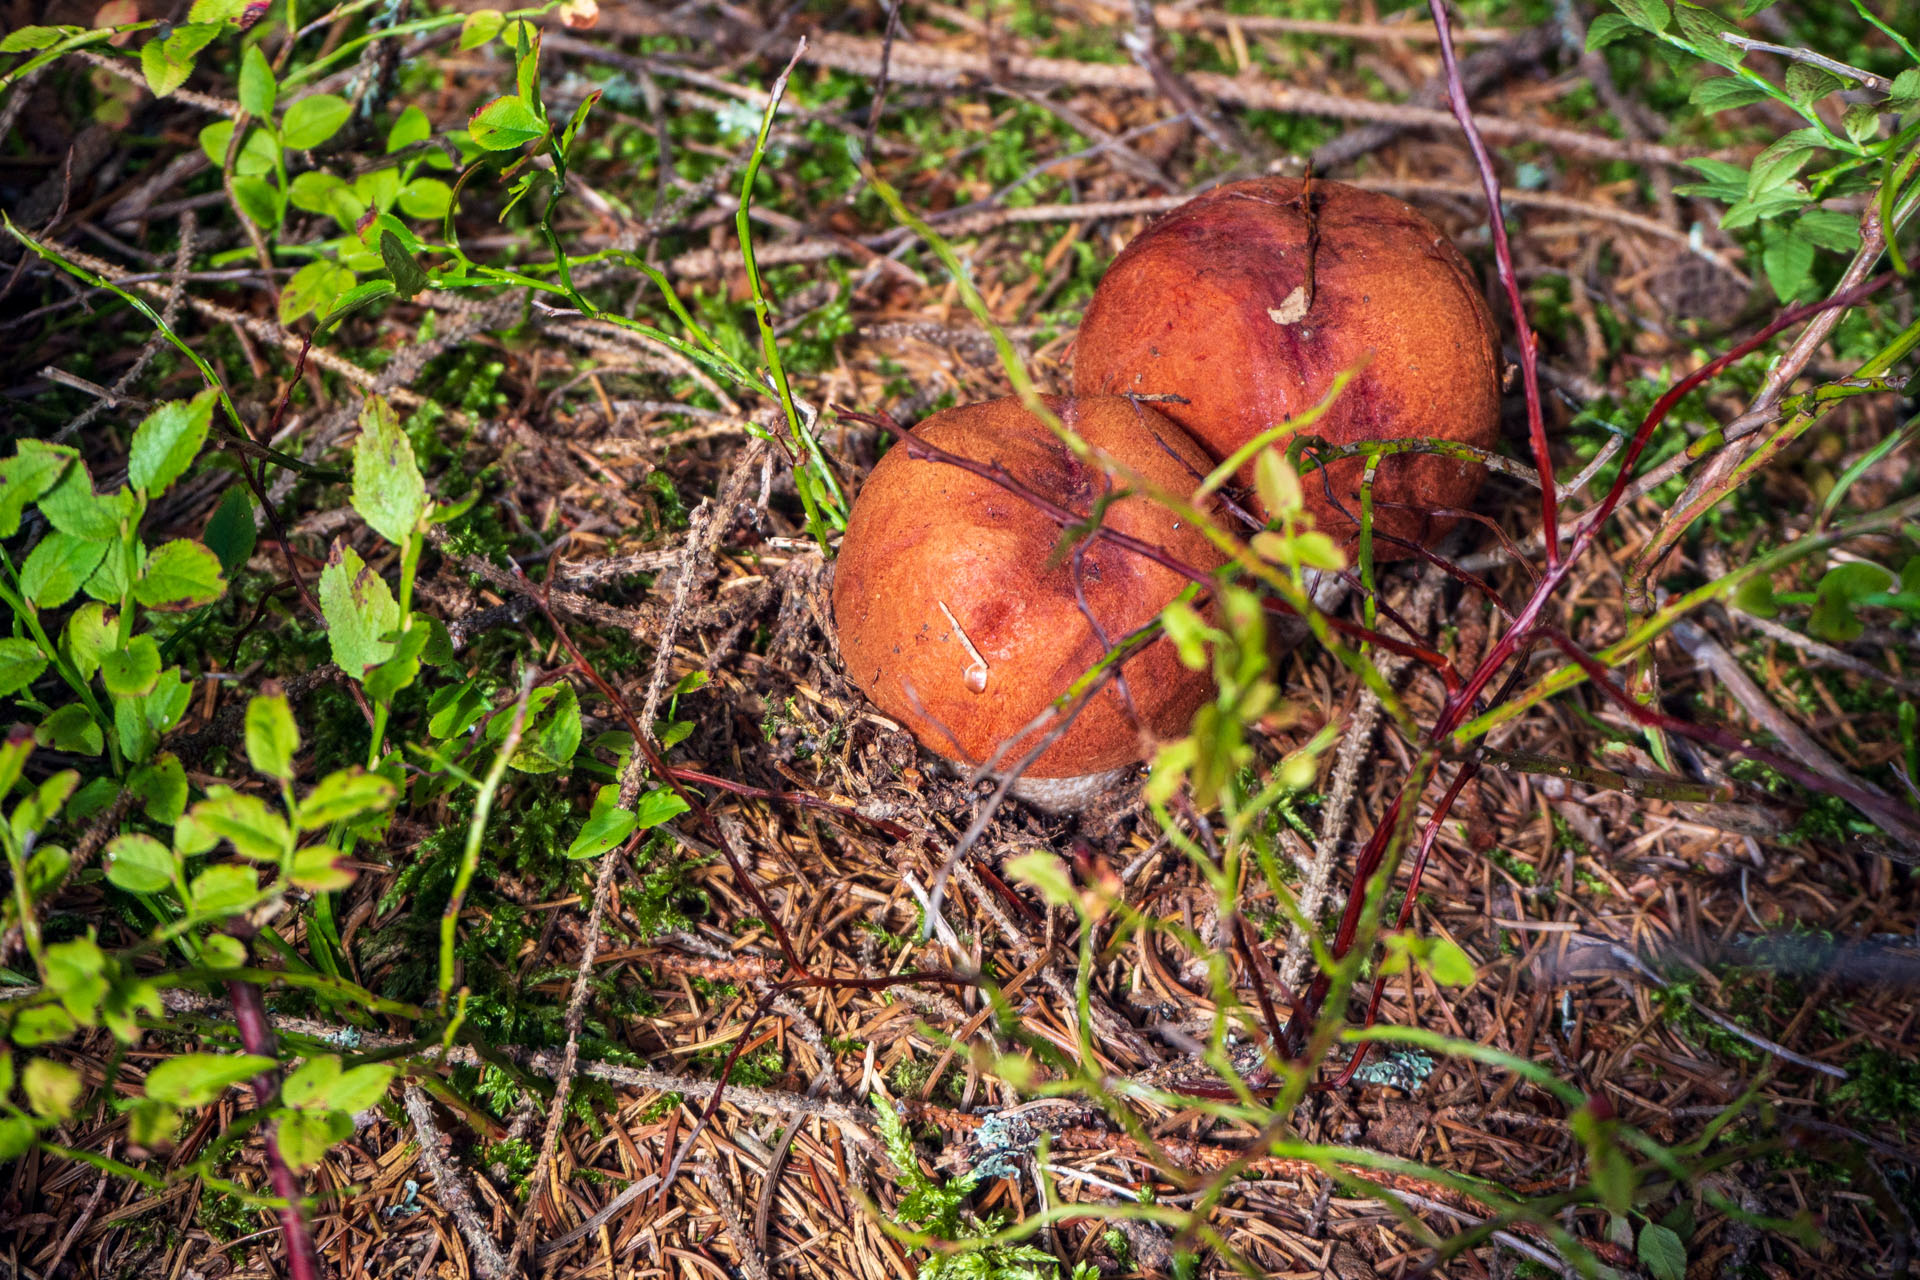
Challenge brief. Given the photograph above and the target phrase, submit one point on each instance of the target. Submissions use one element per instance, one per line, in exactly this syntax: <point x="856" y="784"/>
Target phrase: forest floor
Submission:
<point x="1732" y="982"/>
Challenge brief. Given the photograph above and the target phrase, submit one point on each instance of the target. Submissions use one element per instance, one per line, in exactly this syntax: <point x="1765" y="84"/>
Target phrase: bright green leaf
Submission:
<point x="16" y="1137"/>
<point x="311" y="1083"/>
<point x="42" y="1024"/>
<point x="139" y="722"/>
<point x="168" y="439"/>
<point x="21" y="663"/>
<point x="255" y="831"/>
<point x="1188" y="633"/>
<point x="377" y="187"/>
<point x="56" y="567"/>
<point x="312" y="120"/>
<point x="319" y="869"/>
<point x="655" y="807"/>
<point x="51" y="1088"/>
<point x="305" y="1137"/>
<point x="257" y="199"/>
<point x="259" y="153"/>
<point x="71" y="728"/>
<point x="315" y="191"/>
<point x="603" y="831"/>
<point x="76" y="971"/>
<point x="223" y="951"/>
<point x="72" y="506"/>
<point x="181" y="574"/>
<point x="29" y="473"/>
<point x="139" y="863"/>
<point x="223" y="889"/>
<point x="411" y="127"/>
<point x="272" y="739"/>
<point x="505" y="123"/>
<point x="344" y="796"/>
<point x="1449" y="965"/>
<point x="481" y="26"/>
<point x="91" y="633"/>
<point x="161" y="787"/>
<point x="217" y="10"/>
<point x="315" y="288"/>
<point x="359" y="609"/>
<point x="403" y="668"/>
<point x="388" y="491"/>
<point x="29" y="39"/>
<point x="425" y="198"/>
<point x="257" y="87"/>
<point x="214" y="140"/>
<point x="132" y="671"/>
<point x="164" y="73"/>
<point x="195" y="1079"/>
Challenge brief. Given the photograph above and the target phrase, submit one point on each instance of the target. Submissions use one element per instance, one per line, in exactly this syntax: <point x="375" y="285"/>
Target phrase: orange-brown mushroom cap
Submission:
<point x="957" y="618"/>
<point x="1212" y="303"/>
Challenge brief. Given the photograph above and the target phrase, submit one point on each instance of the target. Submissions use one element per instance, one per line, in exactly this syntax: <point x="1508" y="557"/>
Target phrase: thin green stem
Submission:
<point x="476" y="828"/>
<point x="819" y="491"/>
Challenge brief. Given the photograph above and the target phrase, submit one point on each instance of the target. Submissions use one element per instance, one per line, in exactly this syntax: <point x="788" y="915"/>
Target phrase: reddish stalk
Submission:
<point x="1503" y="256"/>
<point x="256" y="1035"/>
<point x="1527" y="625"/>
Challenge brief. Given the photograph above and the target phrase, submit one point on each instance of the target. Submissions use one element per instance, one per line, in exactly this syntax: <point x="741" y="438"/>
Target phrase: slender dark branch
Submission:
<point x="1590" y="523"/>
<point x="256" y="1035"/>
<point x="1503" y="256"/>
<point x="1903" y="824"/>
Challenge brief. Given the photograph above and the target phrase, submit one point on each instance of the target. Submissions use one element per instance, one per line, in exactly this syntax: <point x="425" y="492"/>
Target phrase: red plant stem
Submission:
<point x="1503" y="257"/>
<point x="1461" y="701"/>
<point x="1901" y="822"/>
<point x="256" y="1035"/>
<point x="1590" y="525"/>
<point x="1467" y="770"/>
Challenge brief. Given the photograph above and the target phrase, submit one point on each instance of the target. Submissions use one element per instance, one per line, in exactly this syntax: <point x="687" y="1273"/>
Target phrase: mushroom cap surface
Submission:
<point x="1211" y="303"/>
<point x="937" y="559"/>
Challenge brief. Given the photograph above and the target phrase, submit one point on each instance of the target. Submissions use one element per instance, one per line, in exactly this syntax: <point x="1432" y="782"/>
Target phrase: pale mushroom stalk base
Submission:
<point x="1049" y="795"/>
<point x="1066" y="795"/>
